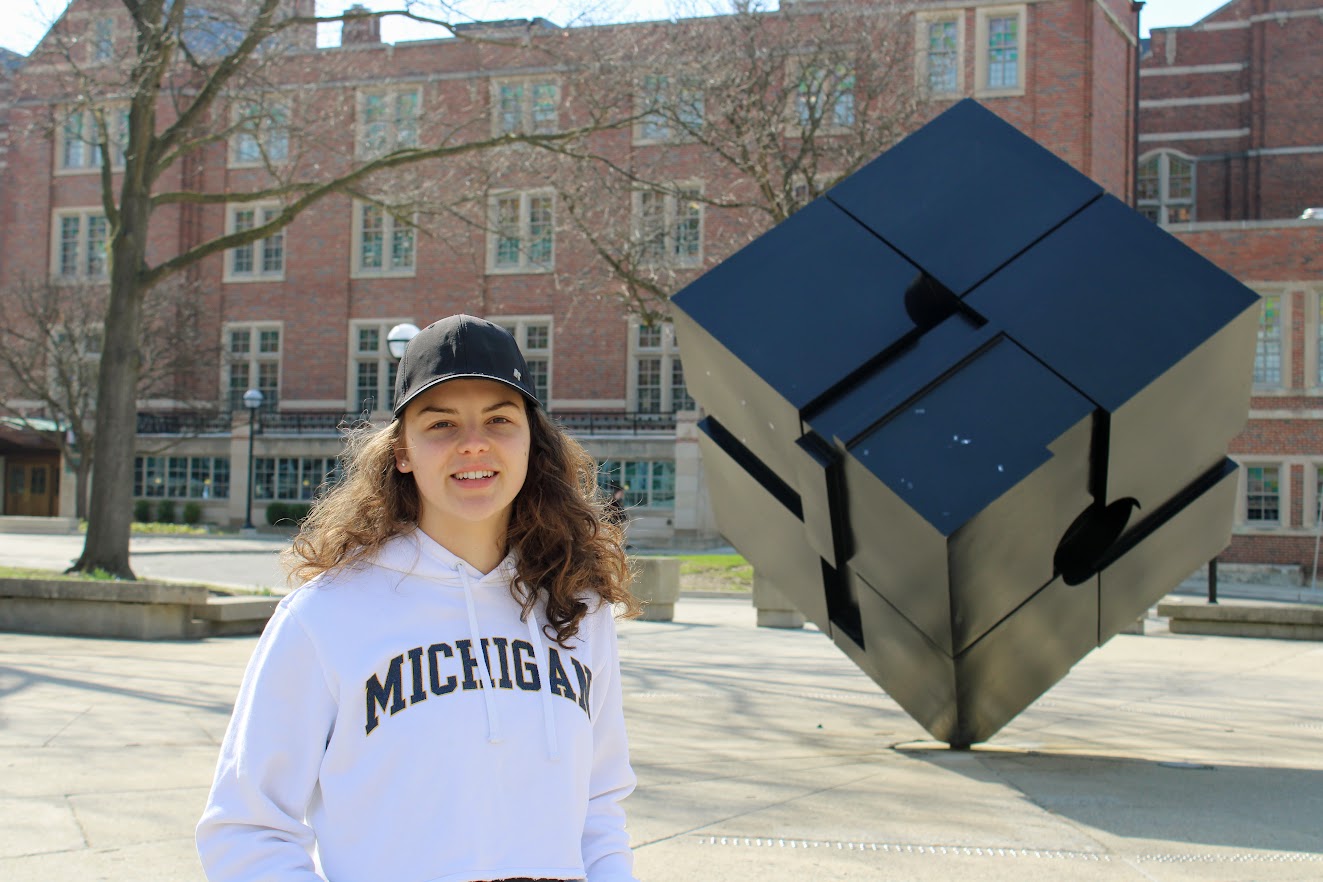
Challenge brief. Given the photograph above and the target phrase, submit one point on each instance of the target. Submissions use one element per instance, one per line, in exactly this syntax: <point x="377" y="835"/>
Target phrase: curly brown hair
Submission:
<point x="564" y="545"/>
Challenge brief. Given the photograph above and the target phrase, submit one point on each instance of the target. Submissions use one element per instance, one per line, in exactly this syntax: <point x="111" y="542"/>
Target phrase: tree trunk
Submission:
<point x="81" y="474"/>
<point x="110" y="514"/>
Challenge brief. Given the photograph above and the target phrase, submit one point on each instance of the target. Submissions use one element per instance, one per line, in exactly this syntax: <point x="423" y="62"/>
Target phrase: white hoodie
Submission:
<point x="365" y="746"/>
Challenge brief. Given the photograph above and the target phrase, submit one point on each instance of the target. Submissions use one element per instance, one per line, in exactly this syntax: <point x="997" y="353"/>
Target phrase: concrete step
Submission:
<point x="224" y="616"/>
<point x="25" y="524"/>
<point x="1244" y="618"/>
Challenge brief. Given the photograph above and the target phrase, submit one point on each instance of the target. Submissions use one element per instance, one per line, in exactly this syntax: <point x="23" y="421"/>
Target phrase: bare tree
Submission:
<point x="50" y="355"/>
<point x="192" y="75"/>
<point x="774" y="107"/>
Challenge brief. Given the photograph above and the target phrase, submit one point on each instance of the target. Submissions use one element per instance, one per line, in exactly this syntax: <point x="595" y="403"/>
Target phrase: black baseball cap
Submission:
<point x="460" y="347"/>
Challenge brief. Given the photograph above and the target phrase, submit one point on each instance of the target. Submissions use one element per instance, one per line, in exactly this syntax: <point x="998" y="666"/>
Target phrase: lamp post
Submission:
<point x="398" y="338"/>
<point x="252" y="399"/>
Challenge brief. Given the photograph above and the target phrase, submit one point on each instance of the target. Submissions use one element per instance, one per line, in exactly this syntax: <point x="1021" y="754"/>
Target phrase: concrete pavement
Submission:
<point x="762" y="755"/>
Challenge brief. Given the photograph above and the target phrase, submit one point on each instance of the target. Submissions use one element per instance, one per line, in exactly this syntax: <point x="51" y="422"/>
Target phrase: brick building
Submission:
<point x="1231" y="161"/>
<point x="303" y="315"/>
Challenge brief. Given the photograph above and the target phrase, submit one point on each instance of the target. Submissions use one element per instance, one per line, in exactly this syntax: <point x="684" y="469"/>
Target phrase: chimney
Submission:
<point x="363" y="29"/>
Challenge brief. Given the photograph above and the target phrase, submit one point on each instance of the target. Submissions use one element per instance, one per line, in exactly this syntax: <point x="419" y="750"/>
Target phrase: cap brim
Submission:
<point x="401" y="405"/>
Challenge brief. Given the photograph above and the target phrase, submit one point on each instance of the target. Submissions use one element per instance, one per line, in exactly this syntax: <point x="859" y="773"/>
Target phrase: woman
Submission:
<point x="441" y="700"/>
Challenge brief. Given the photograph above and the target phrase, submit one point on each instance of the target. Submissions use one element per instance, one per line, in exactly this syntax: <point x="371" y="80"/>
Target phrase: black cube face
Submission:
<point x="969" y="443"/>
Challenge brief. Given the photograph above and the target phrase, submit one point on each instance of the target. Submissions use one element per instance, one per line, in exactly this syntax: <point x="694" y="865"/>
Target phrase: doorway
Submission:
<point x="32" y="486"/>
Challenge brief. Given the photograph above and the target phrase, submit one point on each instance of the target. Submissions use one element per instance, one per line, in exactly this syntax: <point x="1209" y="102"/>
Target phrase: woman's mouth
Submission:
<point x="474" y="475"/>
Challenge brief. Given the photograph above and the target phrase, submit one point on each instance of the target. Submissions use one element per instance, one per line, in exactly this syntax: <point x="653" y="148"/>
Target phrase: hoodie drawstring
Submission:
<point x="541" y="654"/>
<point x="488" y="684"/>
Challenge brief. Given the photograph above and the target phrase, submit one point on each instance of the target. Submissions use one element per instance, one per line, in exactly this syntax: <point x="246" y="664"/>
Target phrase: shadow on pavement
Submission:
<point x="1243" y="807"/>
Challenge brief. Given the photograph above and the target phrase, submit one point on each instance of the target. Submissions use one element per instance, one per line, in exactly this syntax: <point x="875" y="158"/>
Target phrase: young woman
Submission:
<point x="440" y="701"/>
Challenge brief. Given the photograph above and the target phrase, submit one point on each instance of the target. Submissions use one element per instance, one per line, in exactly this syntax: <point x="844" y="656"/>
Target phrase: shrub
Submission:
<point x="165" y="511"/>
<point x="192" y="513"/>
<point x="286" y="514"/>
<point x="142" y="511"/>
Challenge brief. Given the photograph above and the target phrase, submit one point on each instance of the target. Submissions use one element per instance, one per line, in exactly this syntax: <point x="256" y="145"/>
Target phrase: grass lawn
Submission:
<point x="715" y="572"/>
<point x="29" y="573"/>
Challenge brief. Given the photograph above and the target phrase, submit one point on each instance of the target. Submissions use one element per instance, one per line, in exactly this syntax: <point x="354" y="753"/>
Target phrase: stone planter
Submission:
<point x="657" y="586"/>
<point x="127" y="610"/>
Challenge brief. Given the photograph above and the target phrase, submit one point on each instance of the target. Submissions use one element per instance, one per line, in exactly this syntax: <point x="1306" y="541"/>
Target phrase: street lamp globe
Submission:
<point x="252" y="399"/>
<point x="398" y="338"/>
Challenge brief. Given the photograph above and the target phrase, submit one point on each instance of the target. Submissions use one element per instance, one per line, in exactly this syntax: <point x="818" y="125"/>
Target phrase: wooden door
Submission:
<point x="32" y="486"/>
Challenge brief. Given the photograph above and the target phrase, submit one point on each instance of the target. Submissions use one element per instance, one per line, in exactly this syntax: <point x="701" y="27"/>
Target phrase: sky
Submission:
<point x="28" y="20"/>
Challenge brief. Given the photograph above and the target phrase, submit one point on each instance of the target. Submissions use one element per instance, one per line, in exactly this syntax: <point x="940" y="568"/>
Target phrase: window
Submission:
<point x="1318" y="495"/>
<point x="824" y="98"/>
<point x="647" y="483"/>
<point x="1262" y="495"/>
<point x="79" y="138"/>
<point x="263" y="259"/>
<point x="658" y="374"/>
<point x="525" y="106"/>
<point x="388" y="121"/>
<point x="534" y="337"/>
<point x="372" y="368"/>
<point x="253" y="362"/>
<point x="1268" y="350"/>
<point x="103" y="40"/>
<point x="1166" y="188"/>
<point x="80" y="250"/>
<point x="522" y="235"/>
<point x="671" y="108"/>
<point x="669" y="226"/>
<point x="941" y="67"/>
<point x="262" y="133"/>
<point x="383" y="242"/>
<point x="294" y="477"/>
<point x="181" y="477"/>
<point x="1000" y="50"/>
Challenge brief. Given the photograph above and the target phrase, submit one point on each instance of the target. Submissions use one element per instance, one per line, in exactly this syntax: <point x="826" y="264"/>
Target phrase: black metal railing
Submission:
<point x="183" y="423"/>
<point x="576" y="422"/>
<point x="605" y="422"/>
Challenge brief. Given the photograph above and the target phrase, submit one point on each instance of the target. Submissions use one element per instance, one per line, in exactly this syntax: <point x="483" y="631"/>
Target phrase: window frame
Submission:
<point x="671" y="197"/>
<point x="1165" y="203"/>
<point x="527" y="105"/>
<point x="1246" y="486"/>
<point x="667" y="353"/>
<point x="613" y="471"/>
<point x="385" y="362"/>
<point x="390" y="226"/>
<point x="923" y="23"/>
<point x="304" y="474"/>
<point x="144" y="467"/>
<point x="254" y="357"/>
<point x="660" y="127"/>
<point x="1283" y="300"/>
<point x="98" y="41"/>
<point x="495" y="233"/>
<point x="519" y="326"/>
<point x="83" y="213"/>
<point x="259" y="255"/>
<point x="260" y="134"/>
<point x="87" y="126"/>
<point x="799" y="119"/>
<point x="982" y="51"/>
<point x="362" y="149"/>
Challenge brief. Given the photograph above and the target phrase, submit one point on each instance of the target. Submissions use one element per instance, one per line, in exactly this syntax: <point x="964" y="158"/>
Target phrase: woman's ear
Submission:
<point x="402" y="463"/>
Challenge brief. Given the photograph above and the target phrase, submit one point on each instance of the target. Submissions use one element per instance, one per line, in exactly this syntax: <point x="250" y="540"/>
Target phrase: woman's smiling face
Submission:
<point x="466" y="443"/>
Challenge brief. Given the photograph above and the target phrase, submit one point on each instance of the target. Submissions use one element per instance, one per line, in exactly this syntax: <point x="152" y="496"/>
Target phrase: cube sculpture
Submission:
<point x="970" y="414"/>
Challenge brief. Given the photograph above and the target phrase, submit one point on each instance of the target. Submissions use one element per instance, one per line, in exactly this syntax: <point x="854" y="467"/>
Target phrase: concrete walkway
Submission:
<point x="762" y="755"/>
